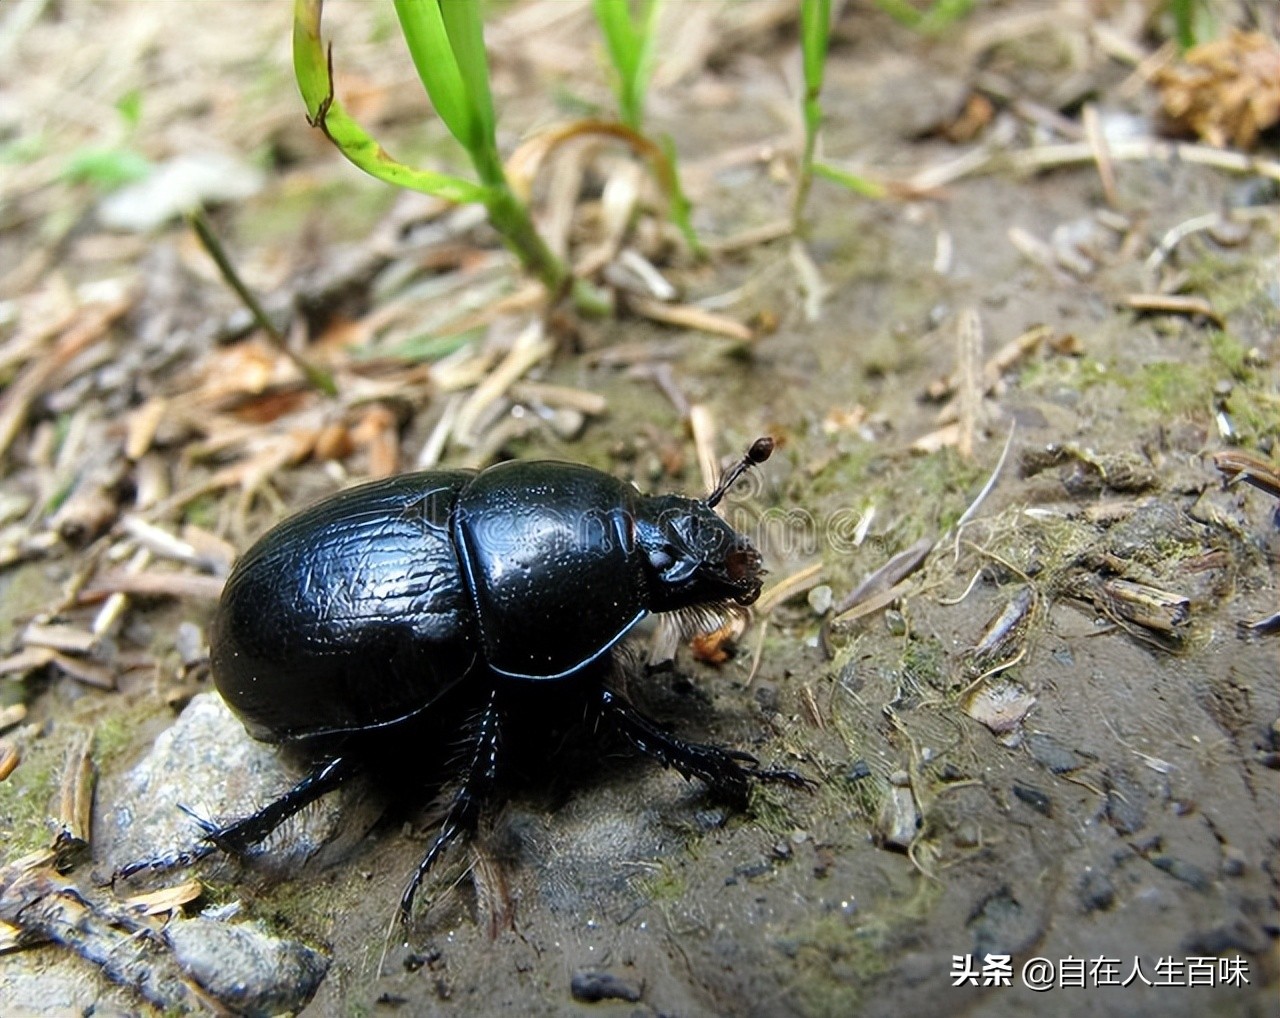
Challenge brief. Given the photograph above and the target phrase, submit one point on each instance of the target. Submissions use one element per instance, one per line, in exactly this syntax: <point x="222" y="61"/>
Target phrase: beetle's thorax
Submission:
<point x="693" y="557"/>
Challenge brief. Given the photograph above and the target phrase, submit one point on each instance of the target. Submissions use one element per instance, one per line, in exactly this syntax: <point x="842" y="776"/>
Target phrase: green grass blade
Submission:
<point x="815" y="30"/>
<point x="466" y="36"/>
<point x="429" y="44"/>
<point x="941" y="15"/>
<point x="859" y="185"/>
<point x="1184" y="23"/>
<point x="313" y="72"/>
<point x="629" y="41"/>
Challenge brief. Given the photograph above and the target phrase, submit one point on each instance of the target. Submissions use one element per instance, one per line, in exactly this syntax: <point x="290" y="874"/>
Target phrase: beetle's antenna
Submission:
<point x="760" y="451"/>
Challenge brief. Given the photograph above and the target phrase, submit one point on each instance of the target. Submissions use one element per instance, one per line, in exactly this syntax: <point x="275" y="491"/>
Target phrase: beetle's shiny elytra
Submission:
<point x="353" y="618"/>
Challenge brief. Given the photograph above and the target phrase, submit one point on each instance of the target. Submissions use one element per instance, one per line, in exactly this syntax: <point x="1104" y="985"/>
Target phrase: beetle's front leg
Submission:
<point x="237" y="836"/>
<point x="720" y="768"/>
<point x="478" y="779"/>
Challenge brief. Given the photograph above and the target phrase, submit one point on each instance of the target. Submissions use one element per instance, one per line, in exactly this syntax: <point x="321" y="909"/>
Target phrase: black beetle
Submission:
<point x="349" y="622"/>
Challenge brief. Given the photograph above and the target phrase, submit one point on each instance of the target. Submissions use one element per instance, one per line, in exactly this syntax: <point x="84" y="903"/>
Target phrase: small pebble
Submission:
<point x="592" y="987"/>
<point x="1034" y="798"/>
<point x="1097" y="893"/>
<point x="858" y="770"/>
<point x="820" y="599"/>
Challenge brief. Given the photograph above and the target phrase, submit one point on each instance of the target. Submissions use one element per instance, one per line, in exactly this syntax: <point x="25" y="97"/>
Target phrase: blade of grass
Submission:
<point x="314" y="72"/>
<point x="425" y="33"/>
<point x="815" y="28"/>
<point x="466" y="35"/>
<point x="629" y="41"/>
<point x="316" y="377"/>
<point x="1184" y="23"/>
<point x="858" y="185"/>
<point x="938" y="17"/>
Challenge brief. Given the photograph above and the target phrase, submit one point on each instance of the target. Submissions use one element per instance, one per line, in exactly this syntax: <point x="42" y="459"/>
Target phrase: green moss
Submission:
<point x="117" y="731"/>
<point x="1173" y="388"/>
<point x="836" y="963"/>
<point x="667" y="884"/>
<point x="839" y="958"/>
<point x="924" y="662"/>
<point x="1230" y="355"/>
<point x="771" y="809"/>
<point x="26" y="798"/>
<point x="203" y="511"/>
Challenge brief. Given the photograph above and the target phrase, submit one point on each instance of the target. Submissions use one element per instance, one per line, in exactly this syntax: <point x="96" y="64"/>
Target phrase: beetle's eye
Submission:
<point x="661" y="559"/>
<point x="739" y="564"/>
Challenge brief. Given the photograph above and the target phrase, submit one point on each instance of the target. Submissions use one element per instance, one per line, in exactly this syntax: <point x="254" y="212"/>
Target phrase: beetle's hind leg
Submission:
<point x="484" y="752"/>
<point x="728" y="772"/>
<point x="238" y="835"/>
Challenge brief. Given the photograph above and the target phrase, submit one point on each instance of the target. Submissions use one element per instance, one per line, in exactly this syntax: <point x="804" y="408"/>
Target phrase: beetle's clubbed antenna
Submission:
<point x="760" y="450"/>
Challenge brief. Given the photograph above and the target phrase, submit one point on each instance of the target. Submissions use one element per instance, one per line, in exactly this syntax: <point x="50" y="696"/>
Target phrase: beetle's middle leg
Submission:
<point x="235" y="837"/>
<point x="484" y="751"/>
<point x="722" y="769"/>
<point x="728" y="772"/>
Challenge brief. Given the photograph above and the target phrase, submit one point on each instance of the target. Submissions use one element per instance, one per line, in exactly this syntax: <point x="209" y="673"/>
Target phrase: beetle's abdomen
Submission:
<point x="550" y="556"/>
<point x="351" y="615"/>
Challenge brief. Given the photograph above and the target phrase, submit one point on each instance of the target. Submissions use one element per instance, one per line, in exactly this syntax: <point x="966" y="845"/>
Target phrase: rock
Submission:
<point x="1033" y="797"/>
<point x="590" y="987"/>
<point x="1000" y="706"/>
<point x="1096" y="891"/>
<point x="207" y="761"/>
<point x="820" y="599"/>
<point x="245" y="968"/>
<point x="1126" y="799"/>
<point x="898" y="821"/>
<point x="1049" y="753"/>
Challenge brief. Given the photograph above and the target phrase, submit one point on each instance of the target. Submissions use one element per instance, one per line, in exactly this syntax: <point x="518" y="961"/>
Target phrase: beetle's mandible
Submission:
<point x="350" y="622"/>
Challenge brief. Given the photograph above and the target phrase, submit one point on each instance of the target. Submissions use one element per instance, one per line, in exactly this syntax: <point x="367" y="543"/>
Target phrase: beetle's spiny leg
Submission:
<point x="783" y="776"/>
<point x="163" y="863"/>
<point x="718" y="767"/>
<point x="235" y="837"/>
<point x="478" y="780"/>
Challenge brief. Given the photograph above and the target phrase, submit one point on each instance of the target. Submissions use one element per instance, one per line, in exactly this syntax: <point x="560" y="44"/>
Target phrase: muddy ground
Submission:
<point x="1099" y="782"/>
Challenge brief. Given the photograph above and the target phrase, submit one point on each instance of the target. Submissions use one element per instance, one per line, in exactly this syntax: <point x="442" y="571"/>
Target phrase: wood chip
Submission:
<point x="152" y="584"/>
<point x="12" y="715"/>
<point x="1097" y="140"/>
<point x="799" y="582"/>
<point x="91" y="326"/>
<point x="941" y="438"/>
<point x="75" y="799"/>
<point x="1173" y="304"/>
<point x="970" y="339"/>
<point x="530" y="348"/>
<point x="590" y="403"/>
<point x="25" y="661"/>
<point x="689" y="316"/>
<point x="142" y="426"/>
<point x="10" y="757"/>
<point x="703" y="426"/>
<point x="71" y="639"/>
<point x="166" y="900"/>
<point x="1239" y="465"/>
<point x="88" y="672"/>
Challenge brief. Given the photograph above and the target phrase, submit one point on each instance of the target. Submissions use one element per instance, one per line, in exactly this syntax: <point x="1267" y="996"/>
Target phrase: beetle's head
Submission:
<point x="695" y="557"/>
